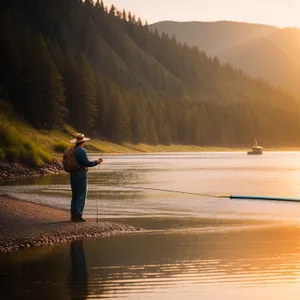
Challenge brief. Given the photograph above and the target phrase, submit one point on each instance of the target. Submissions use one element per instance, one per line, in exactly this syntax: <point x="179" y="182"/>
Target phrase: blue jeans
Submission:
<point x="79" y="192"/>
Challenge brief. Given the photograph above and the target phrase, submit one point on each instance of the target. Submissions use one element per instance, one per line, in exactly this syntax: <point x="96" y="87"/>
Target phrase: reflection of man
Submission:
<point x="79" y="276"/>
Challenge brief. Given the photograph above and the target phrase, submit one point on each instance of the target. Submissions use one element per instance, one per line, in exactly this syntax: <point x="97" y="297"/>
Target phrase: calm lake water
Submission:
<point x="194" y="247"/>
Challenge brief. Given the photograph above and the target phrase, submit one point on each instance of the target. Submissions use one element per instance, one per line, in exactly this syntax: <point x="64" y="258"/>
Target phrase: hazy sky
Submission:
<point x="281" y="13"/>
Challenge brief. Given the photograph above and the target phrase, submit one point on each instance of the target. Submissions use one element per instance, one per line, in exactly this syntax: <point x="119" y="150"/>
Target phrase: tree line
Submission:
<point x="105" y="73"/>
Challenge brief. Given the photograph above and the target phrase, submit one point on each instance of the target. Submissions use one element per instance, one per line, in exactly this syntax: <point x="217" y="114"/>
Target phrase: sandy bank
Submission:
<point x="28" y="225"/>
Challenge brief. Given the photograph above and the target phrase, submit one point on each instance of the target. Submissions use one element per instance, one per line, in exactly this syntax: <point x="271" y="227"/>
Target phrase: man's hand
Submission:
<point x="100" y="160"/>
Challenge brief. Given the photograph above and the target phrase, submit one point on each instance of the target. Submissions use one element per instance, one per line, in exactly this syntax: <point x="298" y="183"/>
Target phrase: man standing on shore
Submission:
<point x="79" y="178"/>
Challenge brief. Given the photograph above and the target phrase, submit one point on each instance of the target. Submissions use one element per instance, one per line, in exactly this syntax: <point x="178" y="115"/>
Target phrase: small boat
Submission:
<point x="256" y="150"/>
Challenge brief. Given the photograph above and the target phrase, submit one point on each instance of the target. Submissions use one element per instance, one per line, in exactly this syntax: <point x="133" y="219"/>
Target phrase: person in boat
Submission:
<point x="78" y="178"/>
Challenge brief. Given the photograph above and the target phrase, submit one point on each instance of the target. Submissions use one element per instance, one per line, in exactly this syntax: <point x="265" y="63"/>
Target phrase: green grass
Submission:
<point x="17" y="140"/>
<point x="2" y="154"/>
<point x="60" y="147"/>
<point x="108" y="147"/>
<point x="17" y="147"/>
<point x="21" y="142"/>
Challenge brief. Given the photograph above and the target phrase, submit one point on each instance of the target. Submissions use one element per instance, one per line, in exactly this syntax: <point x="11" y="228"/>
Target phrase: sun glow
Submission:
<point x="280" y="13"/>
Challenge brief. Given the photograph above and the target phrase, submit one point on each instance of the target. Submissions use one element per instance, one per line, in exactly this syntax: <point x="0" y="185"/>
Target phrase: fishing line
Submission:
<point x="232" y="197"/>
<point x="168" y="191"/>
<point x="98" y="196"/>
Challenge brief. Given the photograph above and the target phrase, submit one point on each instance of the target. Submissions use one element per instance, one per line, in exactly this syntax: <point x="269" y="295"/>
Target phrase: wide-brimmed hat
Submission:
<point x="80" y="138"/>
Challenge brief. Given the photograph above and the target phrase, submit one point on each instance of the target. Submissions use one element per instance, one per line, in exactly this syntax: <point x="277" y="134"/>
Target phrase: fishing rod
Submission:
<point x="98" y="192"/>
<point x="232" y="197"/>
<point x="267" y="198"/>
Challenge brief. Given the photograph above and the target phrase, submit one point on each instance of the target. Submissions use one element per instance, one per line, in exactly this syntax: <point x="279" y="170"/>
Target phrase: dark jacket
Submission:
<point x="82" y="159"/>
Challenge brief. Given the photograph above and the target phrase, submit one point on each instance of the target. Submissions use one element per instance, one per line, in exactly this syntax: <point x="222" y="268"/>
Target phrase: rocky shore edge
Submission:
<point x="14" y="171"/>
<point x="102" y="229"/>
<point x="27" y="225"/>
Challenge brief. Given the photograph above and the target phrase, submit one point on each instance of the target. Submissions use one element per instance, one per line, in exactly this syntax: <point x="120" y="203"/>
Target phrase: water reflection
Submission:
<point x="79" y="273"/>
<point x="38" y="274"/>
<point x="231" y="261"/>
<point x="188" y="264"/>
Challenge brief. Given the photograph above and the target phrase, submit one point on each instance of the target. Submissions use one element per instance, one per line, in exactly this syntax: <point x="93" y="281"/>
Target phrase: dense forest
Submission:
<point x="105" y="73"/>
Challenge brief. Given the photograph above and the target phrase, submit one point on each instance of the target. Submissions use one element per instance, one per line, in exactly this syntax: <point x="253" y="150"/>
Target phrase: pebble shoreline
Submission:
<point x="104" y="229"/>
<point x="27" y="225"/>
<point x="14" y="171"/>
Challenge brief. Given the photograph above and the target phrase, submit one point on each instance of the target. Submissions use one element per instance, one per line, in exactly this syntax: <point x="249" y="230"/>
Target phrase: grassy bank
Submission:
<point x="20" y="142"/>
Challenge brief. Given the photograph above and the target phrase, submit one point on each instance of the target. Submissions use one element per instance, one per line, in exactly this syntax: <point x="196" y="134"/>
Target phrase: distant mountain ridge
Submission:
<point x="260" y="50"/>
<point x="213" y="37"/>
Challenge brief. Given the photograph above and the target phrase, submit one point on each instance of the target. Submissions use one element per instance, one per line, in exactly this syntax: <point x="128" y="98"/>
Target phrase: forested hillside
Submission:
<point x="105" y="73"/>
<point x="213" y="37"/>
<point x="263" y="58"/>
<point x="259" y="50"/>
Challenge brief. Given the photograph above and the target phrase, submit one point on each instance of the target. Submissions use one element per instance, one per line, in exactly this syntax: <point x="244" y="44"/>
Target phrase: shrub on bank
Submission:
<point x="2" y="154"/>
<point x="13" y="154"/>
<point x="8" y="137"/>
<point x="60" y="147"/>
<point x="45" y="156"/>
<point x="30" y="157"/>
<point x="16" y="147"/>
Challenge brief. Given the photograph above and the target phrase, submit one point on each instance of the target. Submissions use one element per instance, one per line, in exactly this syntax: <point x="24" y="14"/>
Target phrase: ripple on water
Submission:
<point x="194" y="247"/>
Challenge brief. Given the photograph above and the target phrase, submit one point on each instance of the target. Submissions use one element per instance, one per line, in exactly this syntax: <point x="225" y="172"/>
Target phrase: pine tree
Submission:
<point x="41" y="84"/>
<point x="98" y="5"/>
<point x="138" y="118"/>
<point x="152" y="134"/>
<point x="10" y="60"/>
<point x="86" y="95"/>
<point x="118" y="119"/>
<point x="112" y="11"/>
<point x="124" y="15"/>
<point x="102" y="106"/>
